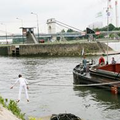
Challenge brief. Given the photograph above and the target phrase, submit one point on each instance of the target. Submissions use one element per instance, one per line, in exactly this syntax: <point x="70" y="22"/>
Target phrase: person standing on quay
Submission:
<point x="23" y="84"/>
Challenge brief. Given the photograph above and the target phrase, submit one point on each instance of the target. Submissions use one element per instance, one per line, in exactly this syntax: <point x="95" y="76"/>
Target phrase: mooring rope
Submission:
<point x="82" y="85"/>
<point x="98" y="84"/>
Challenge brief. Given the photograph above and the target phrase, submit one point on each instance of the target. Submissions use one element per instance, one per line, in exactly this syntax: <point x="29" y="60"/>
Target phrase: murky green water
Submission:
<point x="87" y="103"/>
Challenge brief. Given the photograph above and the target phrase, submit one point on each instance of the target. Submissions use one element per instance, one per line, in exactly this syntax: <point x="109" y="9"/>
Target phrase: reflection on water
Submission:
<point x="113" y="101"/>
<point x="87" y="103"/>
<point x="107" y="104"/>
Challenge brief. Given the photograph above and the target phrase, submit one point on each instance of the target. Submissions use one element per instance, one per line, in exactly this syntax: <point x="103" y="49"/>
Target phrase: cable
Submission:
<point x="38" y="82"/>
<point x="82" y="85"/>
<point x="62" y="25"/>
<point x="58" y="22"/>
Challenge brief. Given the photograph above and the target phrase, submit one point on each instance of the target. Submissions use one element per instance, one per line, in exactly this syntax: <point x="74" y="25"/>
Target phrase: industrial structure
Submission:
<point x="29" y="34"/>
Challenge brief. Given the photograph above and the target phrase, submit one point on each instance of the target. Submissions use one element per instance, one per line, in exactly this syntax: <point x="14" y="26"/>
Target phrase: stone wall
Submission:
<point x="3" y="50"/>
<point x="61" y="49"/>
<point x="73" y="49"/>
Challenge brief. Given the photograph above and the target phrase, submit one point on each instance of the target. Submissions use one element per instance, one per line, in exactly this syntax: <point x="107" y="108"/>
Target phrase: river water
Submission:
<point x="47" y="95"/>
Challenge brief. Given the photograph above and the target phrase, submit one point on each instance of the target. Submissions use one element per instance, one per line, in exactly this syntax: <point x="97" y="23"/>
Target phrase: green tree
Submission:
<point x="70" y="30"/>
<point x="111" y="27"/>
<point x="63" y="31"/>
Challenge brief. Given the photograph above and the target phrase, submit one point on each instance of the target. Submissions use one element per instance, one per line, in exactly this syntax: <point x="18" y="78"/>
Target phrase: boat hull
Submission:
<point x="91" y="79"/>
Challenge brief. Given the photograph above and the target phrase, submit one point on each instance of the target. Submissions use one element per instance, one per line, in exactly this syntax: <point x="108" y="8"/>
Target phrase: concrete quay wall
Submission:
<point x="53" y="49"/>
<point x="4" y="50"/>
<point x="61" y="49"/>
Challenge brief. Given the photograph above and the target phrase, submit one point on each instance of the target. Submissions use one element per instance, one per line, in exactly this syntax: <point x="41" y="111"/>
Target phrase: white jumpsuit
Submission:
<point x="23" y="82"/>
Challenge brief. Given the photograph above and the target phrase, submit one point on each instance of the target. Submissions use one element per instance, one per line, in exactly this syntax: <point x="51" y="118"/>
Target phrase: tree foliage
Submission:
<point x="63" y="31"/>
<point x="110" y="27"/>
<point x="70" y="30"/>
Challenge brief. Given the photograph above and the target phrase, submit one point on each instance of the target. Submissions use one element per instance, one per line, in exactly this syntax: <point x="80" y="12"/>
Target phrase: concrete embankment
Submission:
<point x="58" y="49"/>
<point x="6" y="114"/>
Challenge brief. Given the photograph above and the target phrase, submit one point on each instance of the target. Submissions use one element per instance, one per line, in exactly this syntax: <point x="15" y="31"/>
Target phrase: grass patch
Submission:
<point x="12" y="106"/>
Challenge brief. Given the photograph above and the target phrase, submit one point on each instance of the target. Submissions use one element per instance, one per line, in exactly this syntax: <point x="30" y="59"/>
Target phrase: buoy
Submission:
<point x="114" y="90"/>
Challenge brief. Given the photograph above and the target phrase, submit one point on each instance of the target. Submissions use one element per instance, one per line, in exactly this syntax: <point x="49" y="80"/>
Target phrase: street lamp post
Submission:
<point x="21" y="26"/>
<point x="37" y="23"/>
<point x="5" y="32"/>
<point x="21" y="21"/>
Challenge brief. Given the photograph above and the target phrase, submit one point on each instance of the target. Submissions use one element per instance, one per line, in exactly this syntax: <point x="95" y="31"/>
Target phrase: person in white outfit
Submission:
<point x="23" y="84"/>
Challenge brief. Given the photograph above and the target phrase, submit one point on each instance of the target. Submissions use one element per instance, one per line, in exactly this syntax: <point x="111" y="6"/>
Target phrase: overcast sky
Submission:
<point x="76" y="13"/>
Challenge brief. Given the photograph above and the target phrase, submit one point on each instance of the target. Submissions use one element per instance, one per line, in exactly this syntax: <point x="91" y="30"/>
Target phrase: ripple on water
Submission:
<point x="88" y="103"/>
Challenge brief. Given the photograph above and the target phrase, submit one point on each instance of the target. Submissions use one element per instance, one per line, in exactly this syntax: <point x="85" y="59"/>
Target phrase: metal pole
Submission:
<point x="22" y="27"/>
<point x="37" y="23"/>
<point x="107" y="26"/>
<point x="21" y="21"/>
<point x="116" y="13"/>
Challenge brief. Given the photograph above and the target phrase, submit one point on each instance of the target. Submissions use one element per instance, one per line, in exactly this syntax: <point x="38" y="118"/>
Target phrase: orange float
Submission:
<point x="114" y="90"/>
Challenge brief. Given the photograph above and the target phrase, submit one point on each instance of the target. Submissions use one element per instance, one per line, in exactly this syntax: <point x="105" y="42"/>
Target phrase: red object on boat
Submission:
<point x="101" y="60"/>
